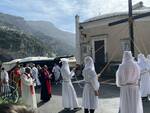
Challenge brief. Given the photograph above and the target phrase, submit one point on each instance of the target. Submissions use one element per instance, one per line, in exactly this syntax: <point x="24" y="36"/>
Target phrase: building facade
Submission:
<point x="104" y="43"/>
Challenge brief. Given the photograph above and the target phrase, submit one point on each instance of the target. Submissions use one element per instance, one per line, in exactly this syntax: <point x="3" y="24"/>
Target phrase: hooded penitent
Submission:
<point x="145" y="75"/>
<point x="127" y="77"/>
<point x="69" y="97"/>
<point x="90" y="100"/>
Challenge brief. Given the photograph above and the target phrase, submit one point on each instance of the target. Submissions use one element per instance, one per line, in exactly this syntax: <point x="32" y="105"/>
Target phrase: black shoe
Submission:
<point x="144" y="98"/>
<point x="77" y="109"/>
<point x="66" y="109"/>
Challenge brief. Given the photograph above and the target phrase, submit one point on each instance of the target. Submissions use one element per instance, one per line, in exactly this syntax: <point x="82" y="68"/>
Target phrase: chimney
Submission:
<point x="78" y="46"/>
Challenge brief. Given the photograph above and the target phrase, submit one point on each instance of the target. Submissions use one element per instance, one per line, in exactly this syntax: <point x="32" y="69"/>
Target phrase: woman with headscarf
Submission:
<point x="127" y="78"/>
<point x="69" y="97"/>
<point x="145" y="76"/>
<point x="46" y="87"/>
<point x="91" y="87"/>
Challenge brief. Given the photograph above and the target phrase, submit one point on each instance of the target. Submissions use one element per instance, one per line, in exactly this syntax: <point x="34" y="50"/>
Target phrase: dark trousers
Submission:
<point x="89" y="111"/>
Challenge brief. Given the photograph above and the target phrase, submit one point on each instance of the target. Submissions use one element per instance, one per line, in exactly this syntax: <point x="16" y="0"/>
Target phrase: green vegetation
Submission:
<point x="20" y="38"/>
<point x="15" y="44"/>
<point x="19" y="101"/>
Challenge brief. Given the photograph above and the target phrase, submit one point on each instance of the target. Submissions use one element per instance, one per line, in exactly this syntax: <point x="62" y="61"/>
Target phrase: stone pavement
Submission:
<point x="108" y="100"/>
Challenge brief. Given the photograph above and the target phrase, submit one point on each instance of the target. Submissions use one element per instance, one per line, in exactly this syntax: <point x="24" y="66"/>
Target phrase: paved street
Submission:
<point x="108" y="100"/>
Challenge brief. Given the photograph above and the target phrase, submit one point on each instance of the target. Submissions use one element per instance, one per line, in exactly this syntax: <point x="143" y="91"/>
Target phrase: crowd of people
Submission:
<point x="133" y="78"/>
<point x="27" y="79"/>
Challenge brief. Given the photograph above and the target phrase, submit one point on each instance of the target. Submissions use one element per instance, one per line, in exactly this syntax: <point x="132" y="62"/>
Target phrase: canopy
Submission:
<point x="9" y="65"/>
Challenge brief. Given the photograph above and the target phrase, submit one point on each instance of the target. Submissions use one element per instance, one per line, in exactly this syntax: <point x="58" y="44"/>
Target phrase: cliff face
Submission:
<point x="15" y="44"/>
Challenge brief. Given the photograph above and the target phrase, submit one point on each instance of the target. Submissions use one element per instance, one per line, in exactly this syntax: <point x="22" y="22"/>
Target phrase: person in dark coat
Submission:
<point x="45" y="80"/>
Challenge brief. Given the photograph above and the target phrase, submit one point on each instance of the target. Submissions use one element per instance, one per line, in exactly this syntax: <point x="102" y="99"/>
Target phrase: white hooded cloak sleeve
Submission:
<point x="94" y="81"/>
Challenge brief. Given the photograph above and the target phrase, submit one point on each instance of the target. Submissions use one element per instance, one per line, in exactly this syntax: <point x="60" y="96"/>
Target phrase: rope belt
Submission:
<point x="129" y="84"/>
<point x="66" y="80"/>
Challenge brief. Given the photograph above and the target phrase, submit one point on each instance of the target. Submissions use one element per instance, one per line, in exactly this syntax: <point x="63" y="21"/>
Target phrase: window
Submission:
<point x="125" y="43"/>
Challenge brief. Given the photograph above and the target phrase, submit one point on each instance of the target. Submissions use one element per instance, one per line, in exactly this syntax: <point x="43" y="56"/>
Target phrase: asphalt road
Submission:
<point x="108" y="100"/>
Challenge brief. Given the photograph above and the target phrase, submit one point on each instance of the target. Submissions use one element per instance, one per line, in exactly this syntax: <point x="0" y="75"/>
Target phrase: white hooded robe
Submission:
<point x="127" y="78"/>
<point x="69" y="97"/>
<point x="145" y="76"/>
<point x="90" y="100"/>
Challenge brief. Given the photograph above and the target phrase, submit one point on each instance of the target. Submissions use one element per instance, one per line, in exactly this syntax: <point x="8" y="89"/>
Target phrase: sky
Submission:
<point x="62" y="12"/>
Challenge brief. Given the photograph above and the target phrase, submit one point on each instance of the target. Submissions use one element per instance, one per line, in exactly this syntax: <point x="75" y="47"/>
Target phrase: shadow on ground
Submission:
<point x="69" y="111"/>
<point x="113" y="91"/>
<point x="41" y="103"/>
<point x="108" y="95"/>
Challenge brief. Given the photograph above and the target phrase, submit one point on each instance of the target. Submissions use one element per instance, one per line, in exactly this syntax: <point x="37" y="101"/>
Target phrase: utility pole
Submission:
<point x="131" y="30"/>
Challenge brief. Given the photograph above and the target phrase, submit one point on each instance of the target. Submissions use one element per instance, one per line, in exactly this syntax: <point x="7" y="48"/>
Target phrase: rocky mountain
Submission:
<point x="15" y="44"/>
<point x="15" y="22"/>
<point x="50" y="39"/>
<point x="49" y="29"/>
<point x="62" y="42"/>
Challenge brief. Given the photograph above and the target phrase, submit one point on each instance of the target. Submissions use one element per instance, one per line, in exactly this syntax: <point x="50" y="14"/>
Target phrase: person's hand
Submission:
<point x="50" y="76"/>
<point x="98" y="75"/>
<point x="74" y="69"/>
<point x="33" y="80"/>
<point x="97" y="93"/>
